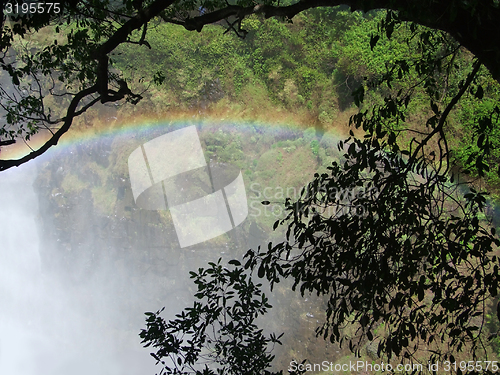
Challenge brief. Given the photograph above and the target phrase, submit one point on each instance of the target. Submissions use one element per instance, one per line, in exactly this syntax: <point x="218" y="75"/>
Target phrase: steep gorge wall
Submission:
<point x="98" y="242"/>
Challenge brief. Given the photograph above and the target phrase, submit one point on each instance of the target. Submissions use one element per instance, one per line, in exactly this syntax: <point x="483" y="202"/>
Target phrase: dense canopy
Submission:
<point x="76" y="63"/>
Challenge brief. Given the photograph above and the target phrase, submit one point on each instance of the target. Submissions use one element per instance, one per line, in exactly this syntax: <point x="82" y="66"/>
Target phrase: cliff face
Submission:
<point x="89" y="219"/>
<point x="123" y="260"/>
<point x="92" y="233"/>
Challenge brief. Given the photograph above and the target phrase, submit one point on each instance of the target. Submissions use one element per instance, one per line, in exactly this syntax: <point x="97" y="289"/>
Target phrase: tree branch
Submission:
<point x="142" y="17"/>
<point x="6" y="164"/>
<point x="446" y="112"/>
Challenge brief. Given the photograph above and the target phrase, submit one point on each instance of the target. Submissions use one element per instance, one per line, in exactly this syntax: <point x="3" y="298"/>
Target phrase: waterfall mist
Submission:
<point x="81" y="261"/>
<point x="48" y="327"/>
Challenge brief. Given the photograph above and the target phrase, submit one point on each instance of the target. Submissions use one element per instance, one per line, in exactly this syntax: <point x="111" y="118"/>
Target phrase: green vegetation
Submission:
<point x="308" y="68"/>
<point x="308" y="63"/>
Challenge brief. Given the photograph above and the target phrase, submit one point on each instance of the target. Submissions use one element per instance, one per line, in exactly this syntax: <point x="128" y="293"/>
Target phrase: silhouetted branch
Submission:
<point x="6" y="164"/>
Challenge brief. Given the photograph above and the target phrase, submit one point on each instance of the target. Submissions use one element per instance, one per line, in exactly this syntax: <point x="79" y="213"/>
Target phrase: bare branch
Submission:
<point x="6" y="164"/>
<point x="446" y="112"/>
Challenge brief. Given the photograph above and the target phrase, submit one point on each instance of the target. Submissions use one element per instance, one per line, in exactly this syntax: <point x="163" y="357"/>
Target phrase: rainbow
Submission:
<point x="142" y="125"/>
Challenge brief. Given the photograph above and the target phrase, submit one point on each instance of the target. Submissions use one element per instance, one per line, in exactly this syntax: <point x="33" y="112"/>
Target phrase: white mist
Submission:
<point x="46" y="328"/>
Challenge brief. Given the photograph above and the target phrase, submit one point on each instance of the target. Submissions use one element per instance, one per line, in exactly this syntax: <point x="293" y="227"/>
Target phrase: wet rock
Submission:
<point x="211" y="92"/>
<point x="371" y="350"/>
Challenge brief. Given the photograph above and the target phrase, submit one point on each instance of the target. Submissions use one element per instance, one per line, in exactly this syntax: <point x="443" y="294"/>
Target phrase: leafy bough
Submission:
<point x="417" y="260"/>
<point x="218" y="335"/>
